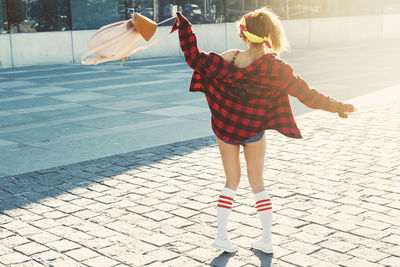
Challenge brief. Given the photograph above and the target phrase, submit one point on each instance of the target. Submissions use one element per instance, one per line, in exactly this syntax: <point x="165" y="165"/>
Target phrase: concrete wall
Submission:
<point x="5" y="51"/>
<point x="365" y="28"/>
<point x="211" y="39"/>
<point x="41" y="48"/>
<point x="298" y="32"/>
<point x="391" y="27"/>
<point x="332" y="31"/>
<point x="233" y="40"/>
<point x="67" y="47"/>
<point x="79" y="43"/>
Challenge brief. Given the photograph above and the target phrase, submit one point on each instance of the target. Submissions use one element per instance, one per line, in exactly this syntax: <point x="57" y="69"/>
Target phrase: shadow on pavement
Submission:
<point x="265" y="259"/>
<point x="222" y="259"/>
<point x="23" y="189"/>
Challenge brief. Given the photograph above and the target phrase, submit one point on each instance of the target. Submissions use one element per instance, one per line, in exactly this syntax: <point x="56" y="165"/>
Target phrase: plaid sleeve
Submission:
<point x="206" y="64"/>
<point x="297" y="87"/>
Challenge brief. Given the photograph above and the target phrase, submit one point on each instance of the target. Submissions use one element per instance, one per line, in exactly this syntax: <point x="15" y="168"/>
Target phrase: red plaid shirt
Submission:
<point x="246" y="101"/>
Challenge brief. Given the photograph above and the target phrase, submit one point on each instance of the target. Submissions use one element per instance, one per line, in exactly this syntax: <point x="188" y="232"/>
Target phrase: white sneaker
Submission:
<point x="225" y="245"/>
<point x="261" y="245"/>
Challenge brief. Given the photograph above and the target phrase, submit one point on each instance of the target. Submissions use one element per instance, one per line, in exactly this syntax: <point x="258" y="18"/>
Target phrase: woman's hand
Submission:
<point x="349" y="110"/>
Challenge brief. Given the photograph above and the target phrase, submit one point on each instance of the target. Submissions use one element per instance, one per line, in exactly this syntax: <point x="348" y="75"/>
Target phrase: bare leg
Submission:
<point x="255" y="154"/>
<point x="231" y="161"/>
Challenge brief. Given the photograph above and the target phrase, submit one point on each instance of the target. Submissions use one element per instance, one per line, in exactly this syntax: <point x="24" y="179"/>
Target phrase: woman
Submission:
<point x="247" y="92"/>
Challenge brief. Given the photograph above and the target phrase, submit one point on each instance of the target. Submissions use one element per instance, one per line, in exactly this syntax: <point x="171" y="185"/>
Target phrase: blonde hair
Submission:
<point x="267" y="24"/>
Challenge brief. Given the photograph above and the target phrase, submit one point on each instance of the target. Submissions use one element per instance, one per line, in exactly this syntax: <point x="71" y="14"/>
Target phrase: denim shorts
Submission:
<point x="247" y="141"/>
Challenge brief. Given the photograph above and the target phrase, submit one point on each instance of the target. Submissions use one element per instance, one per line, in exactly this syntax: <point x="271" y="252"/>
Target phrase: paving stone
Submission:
<point x="317" y="229"/>
<point x="131" y="218"/>
<point x="5" y="250"/>
<point x="127" y="254"/>
<point x="53" y="203"/>
<point x="155" y="264"/>
<point x="44" y="237"/>
<point x="343" y="226"/>
<point x="358" y="262"/>
<point x="101" y="261"/>
<point x="184" y="212"/>
<point x="96" y="243"/>
<point x="14" y="240"/>
<point x="97" y="207"/>
<point x="182" y="261"/>
<point x="30" y="263"/>
<point x="150" y="202"/>
<point x="83" y="202"/>
<point x="336" y="245"/>
<point x="299" y="259"/>
<point x="85" y="214"/>
<point x="308" y="238"/>
<point x="378" y="208"/>
<point x="67" y="196"/>
<point x="115" y="212"/>
<point x="31" y="248"/>
<point x="301" y="247"/>
<point x="284" y="230"/>
<point x="369" y="233"/>
<point x="5" y="219"/>
<point x="162" y="255"/>
<point x="381" y="217"/>
<point x="28" y="231"/>
<point x="178" y="222"/>
<point x="394" y="239"/>
<point x="368" y="254"/>
<point x="82" y="254"/>
<point x="13" y="258"/>
<point x="29" y="216"/>
<point x="158" y="215"/>
<point x="181" y="247"/>
<point x="351" y="209"/>
<point x="330" y="256"/>
<point x="373" y="224"/>
<point x="60" y="230"/>
<point x="390" y="261"/>
<point x="54" y="215"/>
<point x="63" y="245"/>
<point x="45" y="223"/>
<point x="200" y="254"/>
<point x="292" y="213"/>
<point x="15" y="225"/>
<point x="314" y="219"/>
<point x="247" y="231"/>
<point x="157" y="240"/>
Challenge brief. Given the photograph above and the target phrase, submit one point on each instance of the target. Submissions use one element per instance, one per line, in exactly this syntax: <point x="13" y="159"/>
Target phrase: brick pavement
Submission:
<point x="335" y="198"/>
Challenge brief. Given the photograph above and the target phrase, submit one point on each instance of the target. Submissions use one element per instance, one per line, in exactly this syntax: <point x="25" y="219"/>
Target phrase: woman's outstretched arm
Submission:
<point x="297" y="87"/>
<point x="207" y="64"/>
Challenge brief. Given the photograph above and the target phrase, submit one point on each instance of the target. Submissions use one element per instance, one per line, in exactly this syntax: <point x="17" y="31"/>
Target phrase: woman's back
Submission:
<point x="243" y="59"/>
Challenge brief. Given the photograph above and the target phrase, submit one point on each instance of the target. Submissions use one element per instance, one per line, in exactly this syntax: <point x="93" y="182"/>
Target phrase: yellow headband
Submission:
<point x="252" y="37"/>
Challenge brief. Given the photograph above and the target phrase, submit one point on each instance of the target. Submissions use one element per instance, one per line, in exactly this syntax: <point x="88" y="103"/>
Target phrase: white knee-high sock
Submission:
<point x="224" y="206"/>
<point x="264" y="209"/>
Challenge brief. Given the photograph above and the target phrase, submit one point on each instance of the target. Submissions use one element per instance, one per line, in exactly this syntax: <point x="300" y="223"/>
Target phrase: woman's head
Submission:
<point x="264" y="27"/>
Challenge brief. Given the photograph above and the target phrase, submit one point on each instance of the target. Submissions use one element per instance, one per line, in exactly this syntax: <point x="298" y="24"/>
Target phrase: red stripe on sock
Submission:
<point x="263" y="205"/>
<point x="263" y="200"/>
<point x="221" y="196"/>
<point x="226" y="207"/>
<point x="265" y="209"/>
<point x="226" y="202"/>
